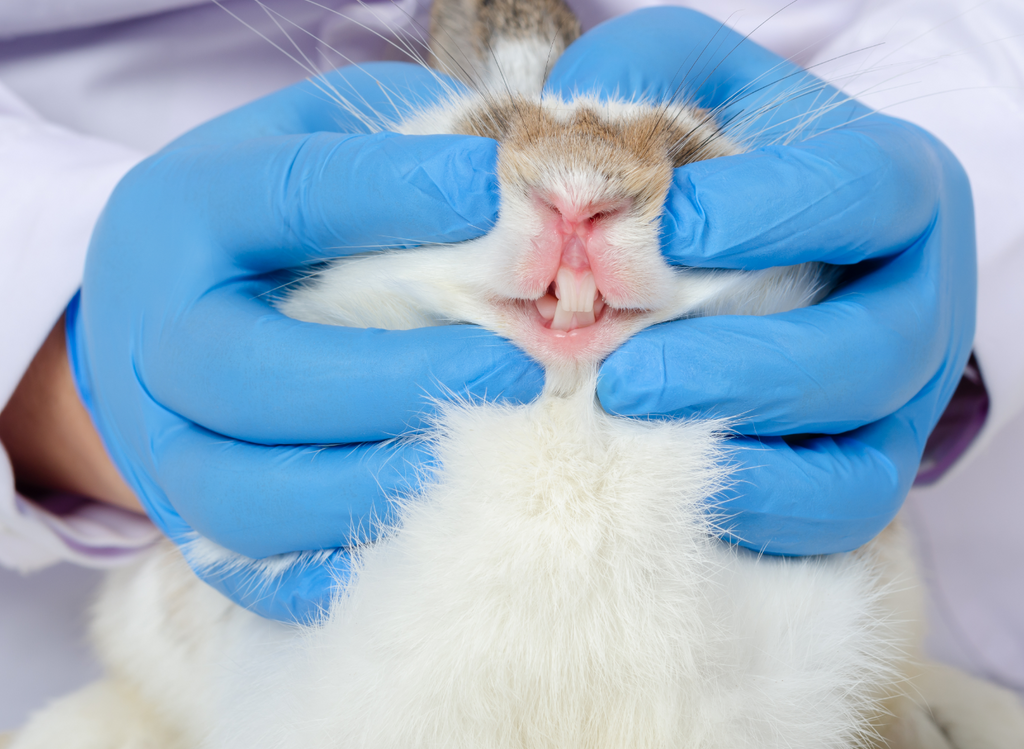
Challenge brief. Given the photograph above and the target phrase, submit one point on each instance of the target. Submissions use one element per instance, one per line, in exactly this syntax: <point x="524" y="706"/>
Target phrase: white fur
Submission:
<point x="528" y="601"/>
<point x="522" y="69"/>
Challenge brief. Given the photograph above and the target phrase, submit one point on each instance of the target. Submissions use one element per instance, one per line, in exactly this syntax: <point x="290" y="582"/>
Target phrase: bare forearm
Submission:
<point x="49" y="435"/>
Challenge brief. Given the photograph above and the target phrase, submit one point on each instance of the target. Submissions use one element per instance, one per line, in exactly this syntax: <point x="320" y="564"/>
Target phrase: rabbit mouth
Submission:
<point x="585" y="336"/>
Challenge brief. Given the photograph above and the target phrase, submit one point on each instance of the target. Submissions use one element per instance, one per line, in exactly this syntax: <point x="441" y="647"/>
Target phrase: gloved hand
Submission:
<point x="868" y="371"/>
<point x="226" y="418"/>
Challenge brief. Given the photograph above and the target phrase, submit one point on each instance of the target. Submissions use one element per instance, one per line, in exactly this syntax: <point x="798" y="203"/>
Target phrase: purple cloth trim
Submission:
<point x="958" y="426"/>
<point x="60" y="504"/>
<point x="105" y="552"/>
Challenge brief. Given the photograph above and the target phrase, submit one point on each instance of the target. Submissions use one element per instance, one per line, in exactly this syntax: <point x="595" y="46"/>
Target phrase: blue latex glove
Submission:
<point x="871" y="368"/>
<point x="213" y="405"/>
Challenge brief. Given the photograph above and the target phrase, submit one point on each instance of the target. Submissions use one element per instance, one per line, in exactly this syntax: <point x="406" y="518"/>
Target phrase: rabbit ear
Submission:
<point x="500" y="46"/>
<point x="393" y="290"/>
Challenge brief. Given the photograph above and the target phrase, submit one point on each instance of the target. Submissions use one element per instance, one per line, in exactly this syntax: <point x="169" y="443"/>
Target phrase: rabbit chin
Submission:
<point x="580" y="347"/>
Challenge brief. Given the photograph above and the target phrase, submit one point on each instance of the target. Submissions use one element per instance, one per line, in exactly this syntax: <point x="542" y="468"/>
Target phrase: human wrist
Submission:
<point x="49" y="436"/>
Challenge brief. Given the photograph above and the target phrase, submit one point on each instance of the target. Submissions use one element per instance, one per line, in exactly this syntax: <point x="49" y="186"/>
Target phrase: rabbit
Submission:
<point x="557" y="581"/>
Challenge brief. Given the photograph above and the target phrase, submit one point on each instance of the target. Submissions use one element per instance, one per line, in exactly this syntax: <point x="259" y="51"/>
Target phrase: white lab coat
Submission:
<point x="89" y="87"/>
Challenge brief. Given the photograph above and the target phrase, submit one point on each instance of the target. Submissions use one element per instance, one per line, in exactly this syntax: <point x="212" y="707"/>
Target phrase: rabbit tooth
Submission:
<point x="576" y="291"/>
<point x="547" y="306"/>
<point x="588" y="293"/>
<point x="563" y="319"/>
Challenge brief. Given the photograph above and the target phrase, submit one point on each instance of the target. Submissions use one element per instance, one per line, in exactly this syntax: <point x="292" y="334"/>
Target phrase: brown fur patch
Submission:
<point x="634" y="152"/>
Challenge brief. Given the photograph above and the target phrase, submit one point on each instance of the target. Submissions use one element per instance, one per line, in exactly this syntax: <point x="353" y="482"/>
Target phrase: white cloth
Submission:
<point x="88" y="87"/>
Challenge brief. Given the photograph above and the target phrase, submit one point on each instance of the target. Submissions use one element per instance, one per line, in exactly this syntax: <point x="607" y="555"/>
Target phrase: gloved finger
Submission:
<point x="262" y="377"/>
<point x="280" y="202"/>
<point x="263" y="500"/>
<point x="355" y="99"/>
<point x="855" y="193"/>
<point x="849" y="361"/>
<point x="677" y="54"/>
<point x="300" y="593"/>
<point x="823" y="495"/>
